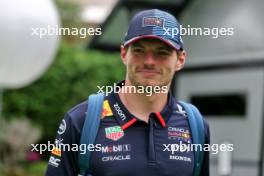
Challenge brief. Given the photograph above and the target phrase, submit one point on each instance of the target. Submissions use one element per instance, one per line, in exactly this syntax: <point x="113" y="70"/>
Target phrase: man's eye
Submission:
<point x="138" y="50"/>
<point x="163" y="53"/>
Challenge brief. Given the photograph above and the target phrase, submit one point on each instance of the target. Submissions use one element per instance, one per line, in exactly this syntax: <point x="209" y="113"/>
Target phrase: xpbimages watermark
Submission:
<point x="57" y="148"/>
<point x="147" y="90"/>
<point x="63" y="31"/>
<point x="60" y="147"/>
<point x="189" y="147"/>
<point x="214" y="32"/>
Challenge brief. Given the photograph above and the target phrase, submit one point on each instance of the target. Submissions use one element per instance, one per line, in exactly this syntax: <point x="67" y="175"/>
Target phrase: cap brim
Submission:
<point x="166" y="41"/>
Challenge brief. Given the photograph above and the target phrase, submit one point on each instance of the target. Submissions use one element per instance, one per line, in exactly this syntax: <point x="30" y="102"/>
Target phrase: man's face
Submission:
<point x="150" y="62"/>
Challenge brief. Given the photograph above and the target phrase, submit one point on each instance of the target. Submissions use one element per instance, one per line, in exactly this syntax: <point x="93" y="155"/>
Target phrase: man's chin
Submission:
<point x="149" y="82"/>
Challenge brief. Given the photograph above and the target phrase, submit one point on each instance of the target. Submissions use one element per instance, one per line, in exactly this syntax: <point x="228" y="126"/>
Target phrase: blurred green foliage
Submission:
<point x="29" y="169"/>
<point x="37" y="168"/>
<point x="75" y="73"/>
<point x="69" y="11"/>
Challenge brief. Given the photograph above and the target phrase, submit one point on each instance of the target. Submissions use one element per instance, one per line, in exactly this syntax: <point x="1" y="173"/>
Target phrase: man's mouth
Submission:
<point x="149" y="72"/>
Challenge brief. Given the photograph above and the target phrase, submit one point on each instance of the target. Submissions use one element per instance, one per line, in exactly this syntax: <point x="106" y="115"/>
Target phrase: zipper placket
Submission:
<point x="151" y="144"/>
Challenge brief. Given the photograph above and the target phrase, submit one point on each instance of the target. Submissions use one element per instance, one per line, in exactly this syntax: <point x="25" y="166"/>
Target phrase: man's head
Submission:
<point x="152" y="51"/>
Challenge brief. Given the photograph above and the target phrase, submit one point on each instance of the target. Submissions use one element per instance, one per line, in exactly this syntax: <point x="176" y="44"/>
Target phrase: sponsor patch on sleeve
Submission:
<point x="53" y="161"/>
<point x="62" y="127"/>
<point x="56" y="151"/>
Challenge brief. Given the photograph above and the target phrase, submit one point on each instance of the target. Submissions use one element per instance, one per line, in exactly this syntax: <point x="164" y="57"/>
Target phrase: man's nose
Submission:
<point x="149" y="58"/>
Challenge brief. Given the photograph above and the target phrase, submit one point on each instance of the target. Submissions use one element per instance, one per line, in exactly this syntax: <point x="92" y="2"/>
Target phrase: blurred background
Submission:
<point x="42" y="78"/>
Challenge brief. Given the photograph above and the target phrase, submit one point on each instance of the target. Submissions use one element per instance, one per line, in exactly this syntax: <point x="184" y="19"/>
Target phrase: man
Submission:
<point x="135" y="127"/>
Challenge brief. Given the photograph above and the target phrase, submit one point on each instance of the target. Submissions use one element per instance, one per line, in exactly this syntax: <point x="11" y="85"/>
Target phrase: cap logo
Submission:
<point x="153" y="21"/>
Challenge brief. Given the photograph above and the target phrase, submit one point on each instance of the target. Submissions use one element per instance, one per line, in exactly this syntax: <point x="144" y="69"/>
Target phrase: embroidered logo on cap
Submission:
<point x="114" y="133"/>
<point x="153" y="21"/>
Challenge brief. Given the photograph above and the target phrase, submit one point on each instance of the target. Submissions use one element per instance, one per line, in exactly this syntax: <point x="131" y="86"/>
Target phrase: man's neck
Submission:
<point x="141" y="105"/>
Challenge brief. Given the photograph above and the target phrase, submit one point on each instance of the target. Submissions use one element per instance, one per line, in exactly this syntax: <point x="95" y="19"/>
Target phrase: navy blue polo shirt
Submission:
<point x="128" y="146"/>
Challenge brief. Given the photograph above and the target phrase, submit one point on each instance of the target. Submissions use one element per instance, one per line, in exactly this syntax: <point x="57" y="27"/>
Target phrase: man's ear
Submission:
<point x="180" y="60"/>
<point x="123" y="52"/>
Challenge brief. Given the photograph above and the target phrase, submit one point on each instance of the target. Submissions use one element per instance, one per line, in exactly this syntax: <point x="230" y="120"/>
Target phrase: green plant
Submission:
<point x="74" y="75"/>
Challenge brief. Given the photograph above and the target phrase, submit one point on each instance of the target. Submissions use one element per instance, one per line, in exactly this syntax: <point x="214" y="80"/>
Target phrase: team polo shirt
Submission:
<point x="126" y="145"/>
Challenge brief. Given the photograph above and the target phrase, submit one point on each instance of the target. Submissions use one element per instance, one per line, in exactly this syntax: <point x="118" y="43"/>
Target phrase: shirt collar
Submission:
<point x="126" y="119"/>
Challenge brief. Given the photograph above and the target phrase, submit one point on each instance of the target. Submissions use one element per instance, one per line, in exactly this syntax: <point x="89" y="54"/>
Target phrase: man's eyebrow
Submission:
<point x="165" y="48"/>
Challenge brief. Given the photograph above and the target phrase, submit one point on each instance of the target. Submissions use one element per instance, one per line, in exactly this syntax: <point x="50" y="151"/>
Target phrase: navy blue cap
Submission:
<point x="155" y="23"/>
